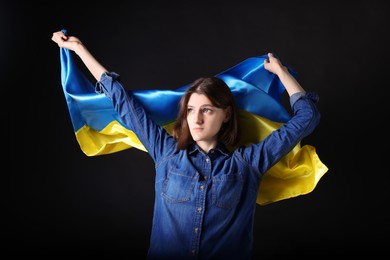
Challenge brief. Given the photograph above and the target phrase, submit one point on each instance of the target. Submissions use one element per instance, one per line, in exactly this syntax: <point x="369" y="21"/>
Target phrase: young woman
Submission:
<point x="205" y="195"/>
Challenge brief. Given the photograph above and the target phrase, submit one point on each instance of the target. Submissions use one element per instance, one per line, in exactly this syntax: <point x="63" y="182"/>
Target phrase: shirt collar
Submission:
<point x="220" y="148"/>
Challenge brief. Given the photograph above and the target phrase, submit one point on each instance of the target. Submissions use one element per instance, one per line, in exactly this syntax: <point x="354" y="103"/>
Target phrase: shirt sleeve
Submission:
<point x="294" y="97"/>
<point x="266" y="153"/>
<point x="132" y="114"/>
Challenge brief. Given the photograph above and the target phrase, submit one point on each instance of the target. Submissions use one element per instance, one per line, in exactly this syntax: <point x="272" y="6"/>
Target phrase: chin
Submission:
<point x="196" y="139"/>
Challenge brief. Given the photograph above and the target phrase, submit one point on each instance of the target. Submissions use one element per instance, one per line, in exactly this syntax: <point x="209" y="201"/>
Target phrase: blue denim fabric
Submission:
<point x="205" y="202"/>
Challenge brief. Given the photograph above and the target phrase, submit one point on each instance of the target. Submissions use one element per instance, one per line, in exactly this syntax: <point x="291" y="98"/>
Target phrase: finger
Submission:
<point x="59" y="35"/>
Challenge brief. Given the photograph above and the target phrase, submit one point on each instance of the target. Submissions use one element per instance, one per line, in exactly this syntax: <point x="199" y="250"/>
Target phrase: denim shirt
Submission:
<point x="205" y="202"/>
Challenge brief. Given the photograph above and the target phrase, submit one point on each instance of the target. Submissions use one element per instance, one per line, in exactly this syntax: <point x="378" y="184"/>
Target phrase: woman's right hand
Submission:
<point x="68" y="42"/>
<point x="74" y="44"/>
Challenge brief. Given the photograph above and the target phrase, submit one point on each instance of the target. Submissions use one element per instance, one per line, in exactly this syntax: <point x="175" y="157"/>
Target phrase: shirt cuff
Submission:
<point x="105" y="81"/>
<point x="294" y="97"/>
<point x="313" y="96"/>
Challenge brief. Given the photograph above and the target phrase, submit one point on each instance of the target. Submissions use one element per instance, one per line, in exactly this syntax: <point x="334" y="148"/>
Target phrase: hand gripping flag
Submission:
<point x="99" y="130"/>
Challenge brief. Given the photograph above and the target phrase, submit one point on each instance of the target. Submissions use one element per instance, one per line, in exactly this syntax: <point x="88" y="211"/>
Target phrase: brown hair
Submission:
<point x="220" y="96"/>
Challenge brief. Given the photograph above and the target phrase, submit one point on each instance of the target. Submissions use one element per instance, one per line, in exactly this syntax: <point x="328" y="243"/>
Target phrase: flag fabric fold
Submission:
<point x="99" y="130"/>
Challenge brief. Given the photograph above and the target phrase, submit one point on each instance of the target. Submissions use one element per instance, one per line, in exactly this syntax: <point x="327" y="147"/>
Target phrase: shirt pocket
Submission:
<point x="178" y="187"/>
<point x="226" y="190"/>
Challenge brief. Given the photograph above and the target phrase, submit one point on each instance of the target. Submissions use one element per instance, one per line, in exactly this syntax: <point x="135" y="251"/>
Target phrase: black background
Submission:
<point x="59" y="202"/>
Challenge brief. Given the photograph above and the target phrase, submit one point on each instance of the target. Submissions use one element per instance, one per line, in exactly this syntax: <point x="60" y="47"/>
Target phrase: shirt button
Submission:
<point x="196" y="230"/>
<point x="207" y="160"/>
<point x="199" y="209"/>
<point x="193" y="252"/>
<point x="201" y="187"/>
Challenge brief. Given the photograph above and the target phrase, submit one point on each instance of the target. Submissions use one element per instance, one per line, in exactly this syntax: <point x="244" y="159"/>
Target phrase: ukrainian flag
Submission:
<point x="99" y="130"/>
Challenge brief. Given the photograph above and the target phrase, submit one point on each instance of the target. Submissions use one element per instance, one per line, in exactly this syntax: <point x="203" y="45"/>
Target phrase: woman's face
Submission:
<point x="204" y="120"/>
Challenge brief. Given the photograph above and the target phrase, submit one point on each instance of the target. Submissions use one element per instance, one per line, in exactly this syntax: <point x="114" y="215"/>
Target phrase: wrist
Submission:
<point x="79" y="49"/>
<point x="282" y="71"/>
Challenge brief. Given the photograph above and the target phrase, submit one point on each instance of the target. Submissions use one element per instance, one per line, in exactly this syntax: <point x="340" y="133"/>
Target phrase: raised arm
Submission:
<point x="281" y="141"/>
<point x="74" y="44"/>
<point x="274" y="65"/>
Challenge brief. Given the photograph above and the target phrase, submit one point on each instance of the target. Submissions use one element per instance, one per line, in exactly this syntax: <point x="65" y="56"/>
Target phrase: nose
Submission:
<point x="198" y="118"/>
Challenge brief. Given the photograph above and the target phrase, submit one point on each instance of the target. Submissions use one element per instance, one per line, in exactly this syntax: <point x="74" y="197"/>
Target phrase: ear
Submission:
<point x="228" y="113"/>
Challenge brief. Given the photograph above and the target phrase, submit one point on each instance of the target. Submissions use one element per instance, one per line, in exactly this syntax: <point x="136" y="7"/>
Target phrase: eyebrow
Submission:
<point x="202" y="106"/>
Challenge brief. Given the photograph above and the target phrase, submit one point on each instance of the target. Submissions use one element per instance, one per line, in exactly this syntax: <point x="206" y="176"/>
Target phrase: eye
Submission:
<point x="207" y="110"/>
<point x="189" y="110"/>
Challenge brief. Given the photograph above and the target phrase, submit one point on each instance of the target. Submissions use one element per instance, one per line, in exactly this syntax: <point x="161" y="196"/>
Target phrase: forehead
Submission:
<point x="199" y="100"/>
